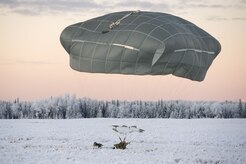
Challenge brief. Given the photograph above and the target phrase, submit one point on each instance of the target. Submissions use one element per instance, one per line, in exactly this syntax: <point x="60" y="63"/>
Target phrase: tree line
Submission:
<point x="68" y="107"/>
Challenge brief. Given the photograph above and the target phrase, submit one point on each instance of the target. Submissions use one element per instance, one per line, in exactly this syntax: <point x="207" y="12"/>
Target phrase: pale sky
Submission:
<point x="34" y="65"/>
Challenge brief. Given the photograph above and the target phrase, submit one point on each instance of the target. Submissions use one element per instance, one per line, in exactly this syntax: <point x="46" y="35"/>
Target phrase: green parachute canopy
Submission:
<point x="140" y="43"/>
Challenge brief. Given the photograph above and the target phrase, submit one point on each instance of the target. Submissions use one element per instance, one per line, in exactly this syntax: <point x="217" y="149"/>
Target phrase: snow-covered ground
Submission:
<point x="164" y="141"/>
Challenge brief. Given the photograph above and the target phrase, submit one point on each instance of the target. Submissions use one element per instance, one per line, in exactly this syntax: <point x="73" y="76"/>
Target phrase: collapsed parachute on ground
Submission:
<point x="140" y="43"/>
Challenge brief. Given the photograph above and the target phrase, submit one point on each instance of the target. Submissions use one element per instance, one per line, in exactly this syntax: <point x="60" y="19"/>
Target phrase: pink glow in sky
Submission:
<point x="34" y="65"/>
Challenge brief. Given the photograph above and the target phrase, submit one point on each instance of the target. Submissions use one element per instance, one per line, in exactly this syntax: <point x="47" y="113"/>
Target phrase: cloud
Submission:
<point x="37" y="7"/>
<point x="193" y="4"/>
<point x="202" y="5"/>
<point x="40" y="7"/>
<point x="144" y="5"/>
<point x="217" y="18"/>
<point x="26" y="12"/>
<point x="239" y="18"/>
<point x="243" y="1"/>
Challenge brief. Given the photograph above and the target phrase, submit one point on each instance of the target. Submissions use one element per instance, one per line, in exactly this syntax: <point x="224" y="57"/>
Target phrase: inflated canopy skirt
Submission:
<point x="140" y="43"/>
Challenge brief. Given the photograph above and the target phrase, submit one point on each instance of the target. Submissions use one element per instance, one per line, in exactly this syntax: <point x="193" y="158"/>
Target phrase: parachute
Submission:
<point x="140" y="43"/>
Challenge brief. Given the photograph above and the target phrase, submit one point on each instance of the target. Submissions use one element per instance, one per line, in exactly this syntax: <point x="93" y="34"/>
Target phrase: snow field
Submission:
<point x="169" y="141"/>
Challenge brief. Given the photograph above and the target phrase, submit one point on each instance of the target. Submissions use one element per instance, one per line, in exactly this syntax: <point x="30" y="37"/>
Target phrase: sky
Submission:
<point x="34" y="65"/>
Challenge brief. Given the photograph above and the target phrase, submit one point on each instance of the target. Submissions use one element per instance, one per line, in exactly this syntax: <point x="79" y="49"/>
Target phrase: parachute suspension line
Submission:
<point x="76" y="80"/>
<point x="119" y="136"/>
<point x="116" y="23"/>
<point x="179" y="91"/>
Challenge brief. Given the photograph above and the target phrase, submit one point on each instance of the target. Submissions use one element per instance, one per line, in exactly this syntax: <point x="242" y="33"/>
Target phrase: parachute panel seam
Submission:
<point x="196" y="50"/>
<point x="108" y="44"/>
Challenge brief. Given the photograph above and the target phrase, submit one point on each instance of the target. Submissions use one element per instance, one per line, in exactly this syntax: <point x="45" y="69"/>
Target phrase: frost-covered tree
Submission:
<point x="16" y="109"/>
<point x="244" y="111"/>
<point x="114" y="110"/>
<point x="72" y="107"/>
<point x="240" y="108"/>
<point x="105" y="110"/>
